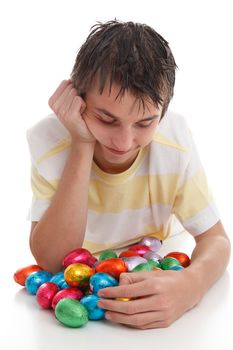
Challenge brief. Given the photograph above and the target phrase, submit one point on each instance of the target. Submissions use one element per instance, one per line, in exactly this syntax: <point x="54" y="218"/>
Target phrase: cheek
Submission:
<point x="95" y="128"/>
<point x="145" y="137"/>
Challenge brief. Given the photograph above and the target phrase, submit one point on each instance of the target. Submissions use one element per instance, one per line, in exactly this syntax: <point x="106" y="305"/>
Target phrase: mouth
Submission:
<point x="116" y="151"/>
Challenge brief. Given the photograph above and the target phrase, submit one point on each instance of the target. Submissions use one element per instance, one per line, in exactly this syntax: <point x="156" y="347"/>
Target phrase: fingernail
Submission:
<point x="107" y="316"/>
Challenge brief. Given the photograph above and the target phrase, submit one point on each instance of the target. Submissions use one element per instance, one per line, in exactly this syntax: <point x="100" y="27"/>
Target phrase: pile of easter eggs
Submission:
<point x="72" y="292"/>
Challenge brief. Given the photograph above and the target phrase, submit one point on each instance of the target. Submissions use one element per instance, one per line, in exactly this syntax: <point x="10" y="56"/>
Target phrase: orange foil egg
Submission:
<point x="182" y="257"/>
<point x="21" y="274"/>
<point x="78" y="275"/>
<point x="113" y="266"/>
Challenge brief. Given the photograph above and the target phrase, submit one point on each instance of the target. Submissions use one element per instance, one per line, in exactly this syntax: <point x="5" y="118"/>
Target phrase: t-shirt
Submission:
<point x="165" y="181"/>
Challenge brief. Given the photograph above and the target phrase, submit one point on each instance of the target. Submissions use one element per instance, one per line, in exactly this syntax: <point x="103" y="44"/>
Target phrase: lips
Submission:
<point x="116" y="151"/>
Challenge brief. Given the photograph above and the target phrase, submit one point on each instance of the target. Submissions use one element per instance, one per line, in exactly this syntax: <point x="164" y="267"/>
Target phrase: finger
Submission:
<point x="58" y="92"/>
<point x="150" y="303"/>
<point x="142" y="288"/>
<point x="138" y="320"/>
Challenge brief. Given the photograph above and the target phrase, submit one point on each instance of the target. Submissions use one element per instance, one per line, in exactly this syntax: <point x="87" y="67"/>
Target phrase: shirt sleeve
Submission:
<point x="194" y="204"/>
<point x="42" y="191"/>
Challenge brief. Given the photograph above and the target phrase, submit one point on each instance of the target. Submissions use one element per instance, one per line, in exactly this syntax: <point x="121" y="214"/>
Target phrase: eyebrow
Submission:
<point x="109" y="114"/>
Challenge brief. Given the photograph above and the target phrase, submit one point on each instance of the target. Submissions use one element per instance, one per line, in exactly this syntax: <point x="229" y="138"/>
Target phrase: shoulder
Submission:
<point x="173" y="132"/>
<point x="46" y="134"/>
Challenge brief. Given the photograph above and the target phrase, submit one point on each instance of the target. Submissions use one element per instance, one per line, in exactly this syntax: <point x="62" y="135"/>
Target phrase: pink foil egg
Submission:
<point x="71" y="292"/>
<point x="141" y="249"/>
<point x="133" y="261"/>
<point x="46" y="293"/>
<point x="153" y="243"/>
<point x="79" y="255"/>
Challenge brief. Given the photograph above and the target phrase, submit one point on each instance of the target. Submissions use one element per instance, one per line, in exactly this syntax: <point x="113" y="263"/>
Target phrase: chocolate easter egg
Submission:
<point x="141" y="249"/>
<point x="90" y="303"/>
<point x="153" y="243"/>
<point x="21" y="274"/>
<point x="71" y="313"/>
<point x="107" y="254"/>
<point x="182" y="257"/>
<point x="113" y="267"/>
<point x="79" y="255"/>
<point x="133" y="261"/>
<point x="102" y="280"/>
<point x="36" y="279"/>
<point x="78" y="275"/>
<point x="168" y="263"/>
<point x="46" y="293"/>
<point x="71" y="292"/>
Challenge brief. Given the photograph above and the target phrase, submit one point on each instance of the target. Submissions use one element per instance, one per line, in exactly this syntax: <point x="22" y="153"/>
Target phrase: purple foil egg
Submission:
<point x="151" y="242"/>
<point x="133" y="261"/>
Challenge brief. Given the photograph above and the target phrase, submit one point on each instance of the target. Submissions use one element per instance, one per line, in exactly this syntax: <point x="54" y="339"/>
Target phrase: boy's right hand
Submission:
<point x="69" y="107"/>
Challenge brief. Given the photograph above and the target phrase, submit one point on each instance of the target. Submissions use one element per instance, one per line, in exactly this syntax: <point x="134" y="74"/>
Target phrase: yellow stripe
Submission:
<point x="42" y="189"/>
<point x="193" y="197"/>
<point x="159" y="138"/>
<point x="133" y="194"/>
<point x="61" y="146"/>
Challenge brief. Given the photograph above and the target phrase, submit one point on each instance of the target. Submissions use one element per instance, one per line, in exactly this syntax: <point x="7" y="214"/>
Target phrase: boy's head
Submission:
<point x="131" y="55"/>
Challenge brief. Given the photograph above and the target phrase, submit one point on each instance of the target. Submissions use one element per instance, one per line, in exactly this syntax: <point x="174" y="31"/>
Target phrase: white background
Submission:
<point x="39" y="43"/>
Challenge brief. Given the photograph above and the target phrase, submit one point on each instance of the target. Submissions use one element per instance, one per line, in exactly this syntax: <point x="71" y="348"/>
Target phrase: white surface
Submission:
<point x="39" y="41"/>
<point x="207" y="326"/>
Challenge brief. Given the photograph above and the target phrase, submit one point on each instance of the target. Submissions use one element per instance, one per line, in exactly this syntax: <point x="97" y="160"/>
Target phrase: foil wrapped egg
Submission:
<point x="46" y="293"/>
<point x="101" y="280"/>
<point x="143" y="267"/>
<point x="168" y="263"/>
<point x="78" y="275"/>
<point x="182" y="257"/>
<point x="58" y="279"/>
<point x="152" y="242"/>
<point x="79" y="255"/>
<point x="36" y="279"/>
<point x="71" y="313"/>
<point x="151" y="255"/>
<point x="141" y="249"/>
<point x="133" y="261"/>
<point x="128" y="253"/>
<point x="113" y="267"/>
<point x="71" y="292"/>
<point x="21" y="274"/>
<point x="107" y="254"/>
<point x="90" y="303"/>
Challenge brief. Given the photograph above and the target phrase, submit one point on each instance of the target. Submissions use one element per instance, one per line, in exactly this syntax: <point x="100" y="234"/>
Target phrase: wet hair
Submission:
<point x="132" y="55"/>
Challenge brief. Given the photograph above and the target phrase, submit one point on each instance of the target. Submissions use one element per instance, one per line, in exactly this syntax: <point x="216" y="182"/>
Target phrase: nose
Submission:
<point x="123" y="140"/>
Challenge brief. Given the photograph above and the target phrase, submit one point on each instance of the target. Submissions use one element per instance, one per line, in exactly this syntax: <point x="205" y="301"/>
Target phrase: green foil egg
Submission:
<point x="107" y="254"/>
<point x="168" y="263"/>
<point x="71" y="313"/>
<point x="154" y="263"/>
<point x="143" y="267"/>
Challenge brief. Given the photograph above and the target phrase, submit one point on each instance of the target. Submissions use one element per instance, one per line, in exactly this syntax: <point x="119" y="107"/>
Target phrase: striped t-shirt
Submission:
<point x="165" y="181"/>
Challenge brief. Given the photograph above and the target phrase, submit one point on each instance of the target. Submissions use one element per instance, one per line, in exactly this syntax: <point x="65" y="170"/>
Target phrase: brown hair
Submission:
<point x="130" y="54"/>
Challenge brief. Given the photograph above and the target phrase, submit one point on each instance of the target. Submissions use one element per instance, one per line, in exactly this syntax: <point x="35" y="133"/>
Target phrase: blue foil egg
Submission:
<point x="58" y="279"/>
<point x="101" y="280"/>
<point x="65" y="285"/>
<point x="36" y="279"/>
<point x="177" y="268"/>
<point x="94" y="311"/>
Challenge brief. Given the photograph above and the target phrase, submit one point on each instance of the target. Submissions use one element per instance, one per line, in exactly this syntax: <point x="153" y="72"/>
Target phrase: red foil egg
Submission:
<point x="73" y="293"/>
<point x="79" y="255"/>
<point x="128" y="253"/>
<point x="21" y="274"/>
<point x="46" y="293"/>
<point x="113" y="266"/>
<point x="182" y="257"/>
<point x="141" y="249"/>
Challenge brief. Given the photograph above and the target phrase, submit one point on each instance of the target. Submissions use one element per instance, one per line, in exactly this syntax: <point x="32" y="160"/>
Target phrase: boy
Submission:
<point x="112" y="165"/>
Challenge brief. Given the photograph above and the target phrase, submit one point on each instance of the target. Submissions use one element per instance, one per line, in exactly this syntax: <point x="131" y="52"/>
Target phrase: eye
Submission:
<point x="145" y="124"/>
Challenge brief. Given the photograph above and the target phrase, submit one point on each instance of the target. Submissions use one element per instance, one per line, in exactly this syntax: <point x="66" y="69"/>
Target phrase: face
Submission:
<point x="121" y="127"/>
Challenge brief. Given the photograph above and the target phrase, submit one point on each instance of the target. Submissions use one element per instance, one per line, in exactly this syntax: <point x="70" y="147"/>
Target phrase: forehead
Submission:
<point x="114" y="100"/>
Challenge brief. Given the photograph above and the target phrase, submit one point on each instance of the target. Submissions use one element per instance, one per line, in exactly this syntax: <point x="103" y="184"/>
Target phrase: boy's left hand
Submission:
<point x="162" y="297"/>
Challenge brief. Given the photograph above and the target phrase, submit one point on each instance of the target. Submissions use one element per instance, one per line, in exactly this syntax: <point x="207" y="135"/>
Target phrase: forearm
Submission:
<point x="209" y="259"/>
<point x="63" y="225"/>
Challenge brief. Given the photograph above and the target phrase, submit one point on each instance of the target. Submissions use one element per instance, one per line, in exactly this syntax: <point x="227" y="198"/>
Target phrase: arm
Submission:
<point x="164" y="296"/>
<point x="63" y="225"/>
